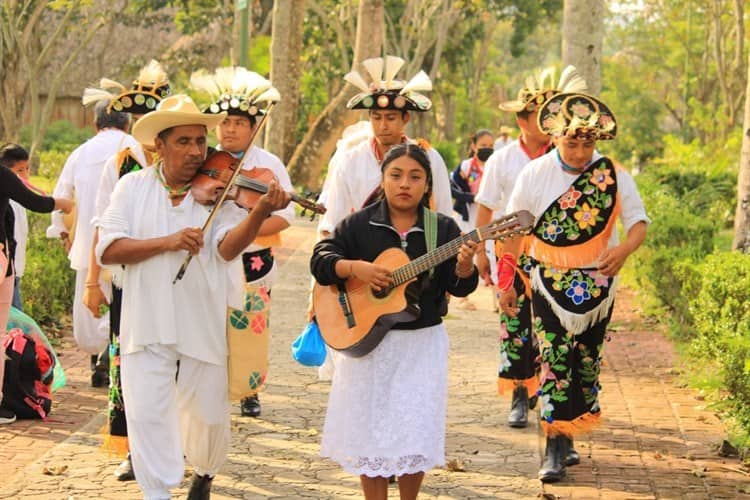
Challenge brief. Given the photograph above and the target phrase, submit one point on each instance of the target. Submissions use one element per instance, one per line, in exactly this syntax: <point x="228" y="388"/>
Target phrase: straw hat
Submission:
<point x="174" y="111"/>
<point x="577" y="115"/>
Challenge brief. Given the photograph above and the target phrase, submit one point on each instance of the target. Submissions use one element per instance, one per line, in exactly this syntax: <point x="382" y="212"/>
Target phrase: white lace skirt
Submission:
<point x="386" y="411"/>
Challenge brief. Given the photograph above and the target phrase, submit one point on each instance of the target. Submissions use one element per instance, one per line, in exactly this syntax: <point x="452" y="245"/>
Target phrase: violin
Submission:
<point x="249" y="185"/>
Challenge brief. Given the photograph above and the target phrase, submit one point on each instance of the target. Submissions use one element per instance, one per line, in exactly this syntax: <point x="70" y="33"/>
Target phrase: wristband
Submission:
<point x="506" y="272"/>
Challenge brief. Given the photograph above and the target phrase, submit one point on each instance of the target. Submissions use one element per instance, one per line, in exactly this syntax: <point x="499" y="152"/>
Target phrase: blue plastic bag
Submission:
<point x="309" y="349"/>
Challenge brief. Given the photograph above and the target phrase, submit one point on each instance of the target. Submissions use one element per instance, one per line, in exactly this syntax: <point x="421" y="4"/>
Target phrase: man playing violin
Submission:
<point x="172" y="336"/>
<point x="235" y="91"/>
<point x="151" y="86"/>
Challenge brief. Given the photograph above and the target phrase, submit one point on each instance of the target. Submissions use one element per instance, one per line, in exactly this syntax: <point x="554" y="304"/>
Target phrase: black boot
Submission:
<point x="533" y="401"/>
<point x="250" y="407"/>
<point x="124" y="471"/>
<point x="519" y="408"/>
<point x="568" y="453"/>
<point x="100" y="369"/>
<point x="553" y="468"/>
<point x="200" y="489"/>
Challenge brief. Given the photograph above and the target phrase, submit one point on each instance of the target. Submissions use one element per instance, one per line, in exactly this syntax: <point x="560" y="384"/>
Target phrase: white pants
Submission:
<point x="169" y="418"/>
<point x="91" y="334"/>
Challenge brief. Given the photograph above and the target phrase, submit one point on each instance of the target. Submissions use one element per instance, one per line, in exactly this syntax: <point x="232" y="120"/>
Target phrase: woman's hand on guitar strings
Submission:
<point x="376" y="276"/>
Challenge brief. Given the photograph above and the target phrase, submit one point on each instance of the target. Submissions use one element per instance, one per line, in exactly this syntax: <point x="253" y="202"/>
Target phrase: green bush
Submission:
<point x="449" y="151"/>
<point x="48" y="284"/>
<point x="61" y="135"/>
<point x="51" y="163"/>
<point x="721" y="318"/>
<point x="677" y="240"/>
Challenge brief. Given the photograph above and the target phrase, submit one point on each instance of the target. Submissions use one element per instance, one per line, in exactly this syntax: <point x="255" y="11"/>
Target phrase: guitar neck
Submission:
<point x="432" y="259"/>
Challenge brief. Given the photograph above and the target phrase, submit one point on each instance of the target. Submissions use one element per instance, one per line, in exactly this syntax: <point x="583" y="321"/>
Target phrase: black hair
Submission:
<point x="165" y="133"/>
<point x="10" y="154"/>
<point x="523" y="114"/>
<point x="482" y="132"/>
<point x="417" y="154"/>
<point x="404" y="112"/>
<point x="105" y="118"/>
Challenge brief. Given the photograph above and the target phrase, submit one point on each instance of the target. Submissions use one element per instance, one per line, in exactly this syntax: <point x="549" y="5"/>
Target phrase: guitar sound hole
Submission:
<point x="383" y="293"/>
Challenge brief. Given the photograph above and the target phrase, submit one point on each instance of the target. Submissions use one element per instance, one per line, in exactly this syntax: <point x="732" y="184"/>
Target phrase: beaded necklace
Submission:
<point x="171" y="192"/>
<point x="567" y="168"/>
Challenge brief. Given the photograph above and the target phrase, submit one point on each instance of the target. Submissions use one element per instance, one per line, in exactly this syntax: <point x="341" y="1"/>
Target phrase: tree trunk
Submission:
<point x="742" y="215"/>
<point x="286" y="46"/>
<point x="582" y="38"/>
<point x="318" y="145"/>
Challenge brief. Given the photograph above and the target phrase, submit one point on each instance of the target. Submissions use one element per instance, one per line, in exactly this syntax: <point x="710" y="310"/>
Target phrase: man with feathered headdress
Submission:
<point x="244" y="95"/>
<point x="80" y="178"/>
<point x="518" y="349"/>
<point x="151" y="86"/>
<point x="389" y="103"/>
<point x="574" y="256"/>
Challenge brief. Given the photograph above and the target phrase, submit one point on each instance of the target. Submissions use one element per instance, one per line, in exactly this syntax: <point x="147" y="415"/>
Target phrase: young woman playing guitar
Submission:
<point x="387" y="409"/>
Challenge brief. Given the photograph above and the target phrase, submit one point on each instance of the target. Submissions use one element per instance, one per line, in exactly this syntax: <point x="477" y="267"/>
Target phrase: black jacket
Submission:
<point x="461" y="192"/>
<point x="366" y="233"/>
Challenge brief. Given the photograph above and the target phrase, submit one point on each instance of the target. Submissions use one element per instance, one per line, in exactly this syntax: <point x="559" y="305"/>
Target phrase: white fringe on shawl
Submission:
<point x="573" y="322"/>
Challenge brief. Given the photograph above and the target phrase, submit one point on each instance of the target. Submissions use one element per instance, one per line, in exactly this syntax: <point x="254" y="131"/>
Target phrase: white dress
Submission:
<point x="387" y="410"/>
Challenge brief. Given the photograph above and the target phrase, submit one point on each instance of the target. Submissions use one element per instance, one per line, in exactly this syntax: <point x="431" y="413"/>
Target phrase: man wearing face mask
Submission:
<point x="519" y="352"/>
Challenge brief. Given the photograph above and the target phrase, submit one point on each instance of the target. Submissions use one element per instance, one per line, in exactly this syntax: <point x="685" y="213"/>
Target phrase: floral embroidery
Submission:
<point x="600" y="178"/>
<point x="256" y="263"/>
<point x="579" y="285"/>
<point x="587" y="216"/>
<point x="512" y="338"/>
<point x="578" y="292"/>
<point x="581" y="109"/>
<point x="551" y="230"/>
<point x="570" y="198"/>
<point x="582" y="211"/>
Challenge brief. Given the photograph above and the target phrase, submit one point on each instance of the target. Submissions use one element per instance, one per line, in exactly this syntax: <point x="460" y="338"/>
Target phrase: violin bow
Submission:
<point x="226" y="190"/>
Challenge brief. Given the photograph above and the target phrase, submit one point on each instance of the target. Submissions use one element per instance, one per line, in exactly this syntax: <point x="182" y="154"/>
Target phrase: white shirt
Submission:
<point x="20" y="234"/>
<point x="191" y="314"/>
<point x="80" y="179"/>
<point x="500" y="143"/>
<point x="258" y="157"/>
<point x="543" y="181"/>
<point x="358" y="174"/>
<point x="353" y="135"/>
<point x="500" y="173"/>
<point x="109" y="177"/>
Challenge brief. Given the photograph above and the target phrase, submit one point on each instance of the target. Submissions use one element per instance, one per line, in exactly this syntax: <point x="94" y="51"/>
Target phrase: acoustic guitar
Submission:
<point x="353" y="318"/>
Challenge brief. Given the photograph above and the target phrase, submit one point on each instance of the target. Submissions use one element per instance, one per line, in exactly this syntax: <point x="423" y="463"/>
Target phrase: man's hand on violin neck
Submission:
<point x="275" y="199"/>
<point x="190" y="239"/>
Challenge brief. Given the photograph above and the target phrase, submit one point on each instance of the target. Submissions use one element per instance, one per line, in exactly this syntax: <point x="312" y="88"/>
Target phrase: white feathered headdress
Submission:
<point x="235" y="90"/>
<point x="541" y="86"/>
<point x="384" y="91"/>
<point x="151" y="86"/>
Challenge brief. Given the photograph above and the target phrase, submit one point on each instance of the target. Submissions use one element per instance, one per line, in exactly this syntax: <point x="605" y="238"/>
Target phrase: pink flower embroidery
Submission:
<point x="256" y="263"/>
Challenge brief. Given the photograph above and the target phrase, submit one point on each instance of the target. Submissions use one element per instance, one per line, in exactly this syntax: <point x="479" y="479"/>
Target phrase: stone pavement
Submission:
<point x="657" y="441"/>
